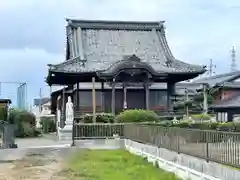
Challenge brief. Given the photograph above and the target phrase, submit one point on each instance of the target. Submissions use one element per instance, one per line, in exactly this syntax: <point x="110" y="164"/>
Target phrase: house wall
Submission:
<point x="224" y="94"/>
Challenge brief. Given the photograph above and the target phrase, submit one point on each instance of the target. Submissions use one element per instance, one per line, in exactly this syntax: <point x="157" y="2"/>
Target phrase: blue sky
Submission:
<point x="32" y="32"/>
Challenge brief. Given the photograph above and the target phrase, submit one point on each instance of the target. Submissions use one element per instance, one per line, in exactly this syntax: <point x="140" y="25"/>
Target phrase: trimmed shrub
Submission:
<point x="137" y="115"/>
<point x="17" y="116"/>
<point x="228" y="126"/>
<point x="182" y="125"/>
<point x="165" y="123"/>
<point x="100" y="118"/>
<point x="202" y="126"/>
<point x="2" y="113"/>
<point x="214" y="125"/>
<point x="25" y="123"/>
<point x="237" y="127"/>
<point x="48" y="124"/>
<point x="203" y="117"/>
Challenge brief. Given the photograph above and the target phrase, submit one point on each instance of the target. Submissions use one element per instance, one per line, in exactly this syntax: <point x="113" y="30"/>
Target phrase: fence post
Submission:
<point x="178" y="143"/>
<point x="207" y="146"/>
<point x="73" y="134"/>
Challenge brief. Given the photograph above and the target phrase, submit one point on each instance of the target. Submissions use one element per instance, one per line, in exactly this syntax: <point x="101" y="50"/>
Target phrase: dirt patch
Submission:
<point x="32" y="167"/>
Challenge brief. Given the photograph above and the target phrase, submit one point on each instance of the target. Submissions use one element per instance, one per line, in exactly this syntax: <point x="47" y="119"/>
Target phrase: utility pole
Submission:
<point x="233" y="56"/>
<point x="205" y="100"/>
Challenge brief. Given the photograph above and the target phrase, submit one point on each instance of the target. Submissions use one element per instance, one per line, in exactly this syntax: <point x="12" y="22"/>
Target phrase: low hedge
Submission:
<point x="228" y="126"/>
<point x="202" y="116"/>
<point x="194" y="133"/>
<point x="137" y="115"/>
<point x="100" y="118"/>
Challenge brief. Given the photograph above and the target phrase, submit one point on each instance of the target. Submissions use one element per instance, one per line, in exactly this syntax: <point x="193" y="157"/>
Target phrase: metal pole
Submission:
<point x="186" y="100"/>
<point x="94" y="99"/>
<point x="40" y="100"/>
<point x="73" y="133"/>
<point x="205" y="103"/>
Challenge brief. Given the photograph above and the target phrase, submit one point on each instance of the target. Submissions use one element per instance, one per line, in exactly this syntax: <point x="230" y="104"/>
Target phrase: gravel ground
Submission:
<point x="36" y="164"/>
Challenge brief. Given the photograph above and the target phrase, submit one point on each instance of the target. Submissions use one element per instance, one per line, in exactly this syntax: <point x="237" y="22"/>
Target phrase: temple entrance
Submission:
<point x="136" y="99"/>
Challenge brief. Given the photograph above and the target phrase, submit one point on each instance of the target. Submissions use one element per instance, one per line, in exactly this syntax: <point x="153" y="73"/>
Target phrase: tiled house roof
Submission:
<point x="231" y="85"/>
<point x="218" y="79"/>
<point x="95" y="46"/>
<point x="38" y="101"/>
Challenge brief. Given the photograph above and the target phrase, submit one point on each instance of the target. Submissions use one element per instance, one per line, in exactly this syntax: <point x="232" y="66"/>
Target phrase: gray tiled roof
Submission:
<point x="191" y="88"/>
<point x="37" y="101"/>
<point x="213" y="80"/>
<point x="233" y="102"/>
<point x="106" y="42"/>
<point x="229" y="85"/>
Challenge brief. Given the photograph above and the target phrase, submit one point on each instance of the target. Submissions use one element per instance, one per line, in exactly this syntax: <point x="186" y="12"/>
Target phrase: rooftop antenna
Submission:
<point x="233" y="56"/>
<point x="211" y="68"/>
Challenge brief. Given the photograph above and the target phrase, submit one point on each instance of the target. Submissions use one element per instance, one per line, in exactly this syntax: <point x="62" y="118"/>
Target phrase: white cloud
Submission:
<point x="196" y="30"/>
<point x="25" y="65"/>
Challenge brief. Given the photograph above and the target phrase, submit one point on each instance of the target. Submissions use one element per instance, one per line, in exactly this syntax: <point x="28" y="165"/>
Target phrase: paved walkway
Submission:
<point x="46" y="140"/>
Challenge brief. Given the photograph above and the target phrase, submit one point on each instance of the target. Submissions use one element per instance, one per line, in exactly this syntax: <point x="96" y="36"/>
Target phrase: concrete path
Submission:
<point x="46" y="140"/>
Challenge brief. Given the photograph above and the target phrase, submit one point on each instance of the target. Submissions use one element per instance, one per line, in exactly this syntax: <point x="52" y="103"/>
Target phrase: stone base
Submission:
<point x="65" y="133"/>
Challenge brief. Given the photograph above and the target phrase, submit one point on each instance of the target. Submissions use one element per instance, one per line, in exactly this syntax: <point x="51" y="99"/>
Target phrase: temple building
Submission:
<point x="129" y="61"/>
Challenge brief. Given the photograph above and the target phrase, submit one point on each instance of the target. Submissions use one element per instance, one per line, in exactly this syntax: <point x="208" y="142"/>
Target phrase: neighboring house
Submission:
<point x="222" y="86"/>
<point x="225" y="90"/>
<point x="38" y="101"/>
<point x="227" y="100"/>
<point x="42" y="108"/>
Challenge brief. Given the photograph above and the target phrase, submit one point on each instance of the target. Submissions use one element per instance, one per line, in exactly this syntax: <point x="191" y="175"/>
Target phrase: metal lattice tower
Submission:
<point x="233" y="56"/>
<point x="211" y="68"/>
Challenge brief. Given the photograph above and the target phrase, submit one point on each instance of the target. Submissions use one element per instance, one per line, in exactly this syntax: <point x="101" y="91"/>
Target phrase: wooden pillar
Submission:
<point x="50" y="95"/>
<point x="113" y="97"/>
<point x="170" y="92"/>
<point x="102" y="97"/>
<point x="125" y="97"/>
<point x="77" y="97"/>
<point x="146" y="87"/>
<point x="62" y="122"/>
<point x="94" y="99"/>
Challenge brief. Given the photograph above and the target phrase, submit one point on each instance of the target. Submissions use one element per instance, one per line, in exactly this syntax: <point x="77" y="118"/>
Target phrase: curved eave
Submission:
<point x="69" y="78"/>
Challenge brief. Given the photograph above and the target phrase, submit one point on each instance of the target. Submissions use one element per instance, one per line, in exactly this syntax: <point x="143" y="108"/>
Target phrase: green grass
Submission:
<point x="112" y="165"/>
